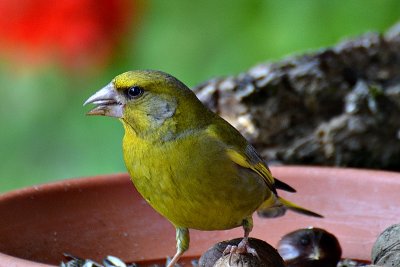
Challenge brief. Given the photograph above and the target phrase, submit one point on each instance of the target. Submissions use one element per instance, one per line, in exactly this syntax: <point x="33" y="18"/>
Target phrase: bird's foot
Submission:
<point x="242" y="248"/>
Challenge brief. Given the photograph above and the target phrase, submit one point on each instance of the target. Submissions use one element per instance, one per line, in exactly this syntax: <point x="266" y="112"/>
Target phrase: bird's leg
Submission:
<point x="182" y="244"/>
<point x="244" y="246"/>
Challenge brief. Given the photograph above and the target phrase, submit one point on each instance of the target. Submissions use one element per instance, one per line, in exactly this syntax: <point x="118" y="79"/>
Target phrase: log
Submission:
<point x="338" y="106"/>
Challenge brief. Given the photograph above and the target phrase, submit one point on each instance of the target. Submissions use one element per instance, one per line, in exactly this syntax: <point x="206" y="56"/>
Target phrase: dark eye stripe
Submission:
<point x="133" y="92"/>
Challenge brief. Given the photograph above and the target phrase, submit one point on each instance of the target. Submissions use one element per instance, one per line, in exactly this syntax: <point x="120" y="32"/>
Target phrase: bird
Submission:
<point x="187" y="162"/>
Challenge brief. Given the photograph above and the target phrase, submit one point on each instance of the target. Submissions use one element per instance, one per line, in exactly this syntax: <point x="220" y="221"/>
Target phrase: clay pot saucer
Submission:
<point x="104" y="215"/>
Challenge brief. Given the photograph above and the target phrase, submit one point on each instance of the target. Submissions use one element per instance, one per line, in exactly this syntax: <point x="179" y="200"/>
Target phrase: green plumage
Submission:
<point x="192" y="166"/>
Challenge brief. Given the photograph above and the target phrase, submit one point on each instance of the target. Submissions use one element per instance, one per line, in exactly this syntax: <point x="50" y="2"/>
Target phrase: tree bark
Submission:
<point x="337" y="106"/>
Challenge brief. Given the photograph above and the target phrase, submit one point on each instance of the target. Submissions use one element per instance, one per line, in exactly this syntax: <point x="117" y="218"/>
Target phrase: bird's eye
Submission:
<point x="133" y="92"/>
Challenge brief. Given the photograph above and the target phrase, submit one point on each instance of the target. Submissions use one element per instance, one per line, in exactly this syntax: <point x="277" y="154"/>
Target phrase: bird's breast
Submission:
<point x="193" y="183"/>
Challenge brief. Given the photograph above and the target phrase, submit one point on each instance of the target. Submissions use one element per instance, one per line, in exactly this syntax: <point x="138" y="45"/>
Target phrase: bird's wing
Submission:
<point x="241" y="152"/>
<point x="250" y="159"/>
<point x="244" y="155"/>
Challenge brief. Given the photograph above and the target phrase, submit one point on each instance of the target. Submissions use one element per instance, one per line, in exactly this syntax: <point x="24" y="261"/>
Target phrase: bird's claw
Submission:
<point x="242" y="248"/>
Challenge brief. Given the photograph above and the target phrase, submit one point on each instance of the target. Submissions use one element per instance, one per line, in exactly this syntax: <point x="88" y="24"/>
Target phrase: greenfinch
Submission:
<point x="188" y="163"/>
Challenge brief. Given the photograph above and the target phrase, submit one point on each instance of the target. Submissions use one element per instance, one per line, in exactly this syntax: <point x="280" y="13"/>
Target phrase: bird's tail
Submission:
<point x="279" y="206"/>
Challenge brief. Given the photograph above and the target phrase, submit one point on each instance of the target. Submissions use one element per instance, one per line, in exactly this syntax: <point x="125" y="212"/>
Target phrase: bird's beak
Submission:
<point x="106" y="101"/>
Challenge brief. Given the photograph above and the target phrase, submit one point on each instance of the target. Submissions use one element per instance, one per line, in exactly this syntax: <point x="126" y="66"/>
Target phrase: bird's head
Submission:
<point x="148" y="101"/>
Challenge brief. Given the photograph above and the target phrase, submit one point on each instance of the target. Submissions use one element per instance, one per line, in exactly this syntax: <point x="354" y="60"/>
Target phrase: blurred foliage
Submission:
<point x="45" y="135"/>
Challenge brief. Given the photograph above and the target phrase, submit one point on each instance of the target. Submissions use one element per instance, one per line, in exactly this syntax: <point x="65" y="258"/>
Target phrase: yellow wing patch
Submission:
<point x="258" y="167"/>
<point x="247" y="157"/>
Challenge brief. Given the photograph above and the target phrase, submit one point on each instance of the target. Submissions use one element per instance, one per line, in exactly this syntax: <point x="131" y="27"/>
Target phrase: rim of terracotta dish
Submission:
<point x="87" y="181"/>
<point x="82" y="182"/>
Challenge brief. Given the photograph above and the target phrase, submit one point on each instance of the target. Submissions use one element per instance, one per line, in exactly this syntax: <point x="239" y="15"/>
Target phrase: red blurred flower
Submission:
<point x="74" y="31"/>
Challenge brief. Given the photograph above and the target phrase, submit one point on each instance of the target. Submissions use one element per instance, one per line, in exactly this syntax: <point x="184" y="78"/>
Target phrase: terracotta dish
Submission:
<point x="104" y="215"/>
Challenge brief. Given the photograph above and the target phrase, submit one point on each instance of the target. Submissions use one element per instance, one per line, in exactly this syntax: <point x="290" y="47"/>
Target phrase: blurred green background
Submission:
<point x="53" y="56"/>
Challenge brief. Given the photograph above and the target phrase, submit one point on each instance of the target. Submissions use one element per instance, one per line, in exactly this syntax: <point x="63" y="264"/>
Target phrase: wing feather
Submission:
<point x="247" y="161"/>
<point x="241" y="152"/>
